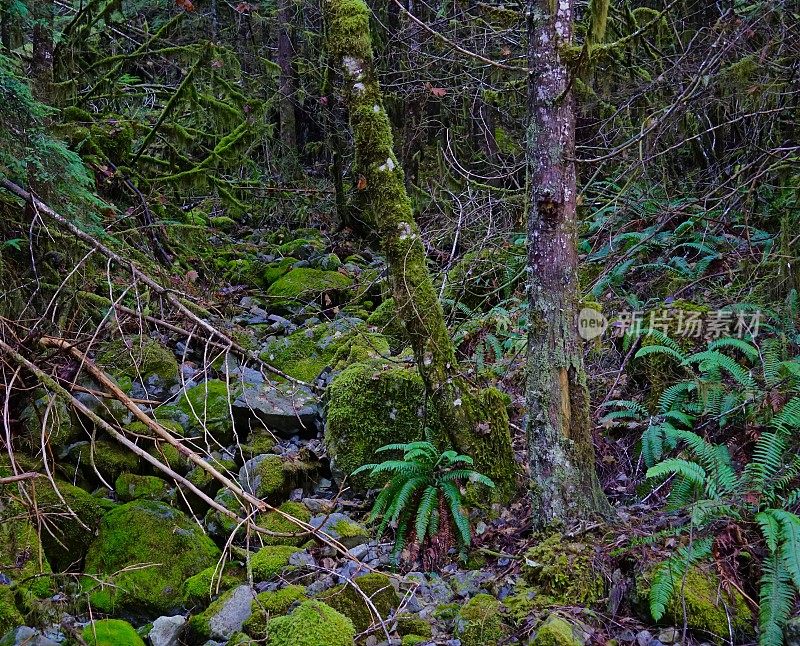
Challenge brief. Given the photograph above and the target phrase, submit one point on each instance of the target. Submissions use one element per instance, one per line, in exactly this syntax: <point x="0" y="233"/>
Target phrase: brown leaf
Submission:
<point x="361" y="184"/>
<point x="192" y="276"/>
<point x="186" y="5"/>
<point x="505" y="50"/>
<point x="438" y="91"/>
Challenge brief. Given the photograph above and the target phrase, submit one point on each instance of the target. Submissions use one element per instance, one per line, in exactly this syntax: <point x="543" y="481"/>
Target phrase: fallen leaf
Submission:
<point x="361" y="184"/>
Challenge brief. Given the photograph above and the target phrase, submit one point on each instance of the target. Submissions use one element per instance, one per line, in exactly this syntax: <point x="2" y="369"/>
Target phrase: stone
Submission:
<point x="283" y="408"/>
<point x="342" y="528"/>
<point x="26" y="636"/>
<point x="166" y="631"/>
<point x="225" y="616"/>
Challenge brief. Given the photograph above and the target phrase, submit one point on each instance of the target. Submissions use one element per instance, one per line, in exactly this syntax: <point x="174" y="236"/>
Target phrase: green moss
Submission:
<point x="271" y="560"/>
<point x="312" y="623"/>
<point x="199" y="625"/>
<point x="562" y="573"/>
<point x="276" y="523"/>
<point x="347" y="529"/>
<point x="412" y="640"/>
<point x="271" y="604"/>
<point x="304" y="285"/>
<point x="520" y="604"/>
<point x="108" y="457"/>
<point x="130" y="486"/>
<point x="389" y="324"/>
<point x="140" y="428"/>
<point x="10" y="616"/>
<point x="208" y="406"/>
<point x="73" y="518"/>
<point x="310" y="243"/>
<point x="138" y="357"/>
<point x="259" y="442"/>
<point x="170" y="456"/>
<point x="146" y="532"/>
<point x="408" y="624"/>
<point x="708" y="607"/>
<point x="276" y="270"/>
<point x="350" y="602"/>
<point x="22" y="557"/>
<point x="62" y="426"/>
<point x="111" y="632"/>
<point x="480" y="622"/>
<point x="369" y="406"/>
<point x="271" y="477"/>
<point x="200" y="588"/>
<point x="556" y="631"/>
<point x="206" y="482"/>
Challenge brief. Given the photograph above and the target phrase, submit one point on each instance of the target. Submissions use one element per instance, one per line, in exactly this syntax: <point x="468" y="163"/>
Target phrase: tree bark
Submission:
<point x="286" y="81"/>
<point x="42" y="61"/>
<point x="475" y="423"/>
<point x="561" y="452"/>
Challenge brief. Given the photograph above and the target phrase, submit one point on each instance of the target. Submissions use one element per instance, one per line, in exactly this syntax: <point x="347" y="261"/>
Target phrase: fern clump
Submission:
<point x="422" y="499"/>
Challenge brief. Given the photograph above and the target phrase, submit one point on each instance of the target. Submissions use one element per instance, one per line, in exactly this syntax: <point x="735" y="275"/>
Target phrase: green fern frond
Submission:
<point x="775" y="601"/>
<point x="660" y="349"/>
<point x="672" y="571"/>
<point x="427" y="503"/>
<point x="747" y="349"/>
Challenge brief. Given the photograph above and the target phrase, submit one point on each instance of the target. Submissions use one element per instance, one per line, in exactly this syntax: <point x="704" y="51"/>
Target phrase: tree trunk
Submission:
<point x="42" y="61"/>
<point x="476" y="423"/>
<point x="561" y="452"/>
<point x="286" y="81"/>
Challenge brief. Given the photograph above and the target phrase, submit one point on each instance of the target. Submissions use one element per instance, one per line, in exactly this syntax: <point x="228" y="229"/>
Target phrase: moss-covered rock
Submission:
<point x="306" y="285"/>
<point x="350" y="602"/>
<point x="265" y="477"/>
<point x="274" y="522"/>
<point x="146" y="533"/>
<point x="271" y="560"/>
<point x="413" y="640"/>
<point x="22" y="558"/>
<point x="389" y="323"/>
<point x="562" y="573"/>
<point x="409" y="624"/>
<point x="259" y="441"/>
<point x="10" y="616"/>
<point x="370" y="405"/>
<point x="73" y="518"/>
<point x="200" y="588"/>
<point x="276" y="270"/>
<point x="479" y="622"/>
<point x="138" y="358"/>
<point x="208" y="406"/>
<point x="557" y="631"/>
<point x="170" y="456"/>
<point x="130" y="486"/>
<point x="111" y="632"/>
<point x="223" y="617"/>
<point x="312" y="623"/>
<point x="140" y="428"/>
<point x="707" y="607"/>
<point x="52" y="415"/>
<point x="106" y="457"/>
<point x="202" y="478"/>
<point x="272" y="604"/>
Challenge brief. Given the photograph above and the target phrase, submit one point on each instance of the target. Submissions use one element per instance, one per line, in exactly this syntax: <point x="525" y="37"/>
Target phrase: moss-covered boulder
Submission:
<point x="223" y="617"/>
<point x="170" y="456"/>
<point x="208" y="407"/>
<point x="557" y="631"/>
<point x="201" y="588"/>
<point x="52" y="416"/>
<point x="170" y="547"/>
<point x="351" y="603"/>
<point x="111" y="632"/>
<point x="270" y="604"/>
<point x="108" y="458"/>
<point x="479" y="622"/>
<point x="10" y="616"/>
<point x="562" y="572"/>
<point x="271" y="477"/>
<point x="275" y="522"/>
<point x="387" y="321"/>
<point x="22" y="558"/>
<point x="271" y="560"/>
<point x="306" y="285"/>
<point x="708" y="609"/>
<point x="276" y="270"/>
<point x="138" y="358"/>
<point x="410" y="624"/>
<point x="370" y="405"/>
<point x="73" y="518"/>
<point x="130" y="486"/>
<point x="312" y="623"/>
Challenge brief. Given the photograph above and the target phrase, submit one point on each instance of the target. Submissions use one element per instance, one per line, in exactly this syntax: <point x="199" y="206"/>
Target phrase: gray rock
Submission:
<point x="283" y="408"/>
<point x="166" y="630"/>
<point x="26" y="636"/>
<point x="302" y="559"/>
<point x="233" y="613"/>
<point x="643" y="638"/>
<point x="356" y="534"/>
<point x="793" y="631"/>
<point x="669" y="635"/>
<point x="317" y="505"/>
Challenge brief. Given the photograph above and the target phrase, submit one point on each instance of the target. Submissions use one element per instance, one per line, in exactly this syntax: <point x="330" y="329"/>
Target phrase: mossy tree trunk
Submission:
<point x="561" y="452"/>
<point x="286" y="81"/>
<point x="42" y="59"/>
<point x="476" y="422"/>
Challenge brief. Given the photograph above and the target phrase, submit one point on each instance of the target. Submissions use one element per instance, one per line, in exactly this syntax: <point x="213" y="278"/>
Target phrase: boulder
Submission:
<point x="223" y="617"/>
<point x="111" y="632"/>
<point x="284" y="408"/>
<point x="557" y="631"/>
<point x="312" y="623"/>
<point x="351" y="603"/>
<point x="166" y="631"/>
<point x="479" y="622"/>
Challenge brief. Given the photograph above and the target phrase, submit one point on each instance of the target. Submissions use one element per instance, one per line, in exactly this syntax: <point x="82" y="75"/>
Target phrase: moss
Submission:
<point x="482" y="278"/>
<point x="271" y="478"/>
<point x="302" y="246"/>
<point x="111" y="632"/>
<point x="206" y="482"/>
<point x="146" y="532"/>
<point x="271" y="560"/>
<point x="208" y="406"/>
<point x="408" y="624"/>
<point x="73" y="518"/>
<point x="259" y="442"/>
<point x="10" y="616"/>
<point x="556" y="631"/>
<point x="520" y="604"/>
<point x="199" y="626"/>
<point x="312" y="623"/>
<point x="708" y="608"/>
<point x="276" y="523"/>
<point x="62" y="427"/>
<point x="350" y="602"/>
<point x="140" y="428"/>
<point x="109" y="458"/>
<point x="130" y="486"/>
<point x="22" y="557"/>
<point x="562" y="573"/>
<point x="479" y="622"/>
<point x="276" y="270"/>
<point x="170" y="456"/>
<point x="359" y="348"/>
<point x="304" y="285"/>
<point x="199" y="589"/>
<point x="370" y="406"/>
<point x="385" y="318"/>
<point x="272" y="604"/>
<point x="412" y="640"/>
<point x="347" y="529"/>
<point x="138" y="357"/>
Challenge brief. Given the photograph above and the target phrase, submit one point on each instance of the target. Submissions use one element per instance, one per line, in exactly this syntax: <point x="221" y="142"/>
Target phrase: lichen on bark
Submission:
<point x="478" y="425"/>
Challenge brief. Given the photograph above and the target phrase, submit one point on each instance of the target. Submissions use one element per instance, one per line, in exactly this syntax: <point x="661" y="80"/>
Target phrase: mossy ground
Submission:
<point x="479" y="622"/>
<point x="351" y="603"/>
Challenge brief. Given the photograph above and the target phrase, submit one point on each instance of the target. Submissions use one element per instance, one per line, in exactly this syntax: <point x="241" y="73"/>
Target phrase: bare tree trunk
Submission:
<point x="286" y="82"/>
<point x="561" y="452"/>
<point x="476" y="423"/>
